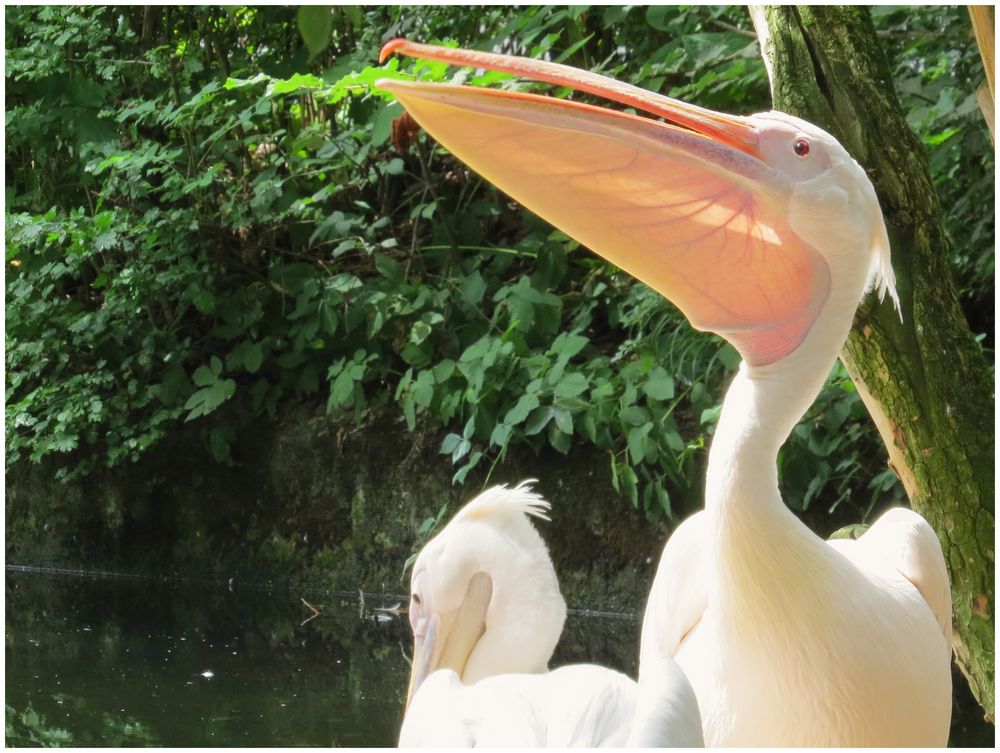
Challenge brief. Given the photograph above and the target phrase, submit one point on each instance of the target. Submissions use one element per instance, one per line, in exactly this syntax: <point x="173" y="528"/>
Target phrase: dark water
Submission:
<point x="110" y="662"/>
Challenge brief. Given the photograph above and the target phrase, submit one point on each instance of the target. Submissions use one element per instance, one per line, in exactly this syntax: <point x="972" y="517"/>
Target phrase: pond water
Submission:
<point x="140" y="662"/>
<point x="122" y="661"/>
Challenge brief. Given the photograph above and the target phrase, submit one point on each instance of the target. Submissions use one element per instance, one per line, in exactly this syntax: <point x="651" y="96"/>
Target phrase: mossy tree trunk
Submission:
<point x="925" y="380"/>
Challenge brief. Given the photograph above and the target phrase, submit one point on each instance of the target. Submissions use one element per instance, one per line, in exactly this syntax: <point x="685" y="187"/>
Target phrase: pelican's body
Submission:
<point x="764" y="230"/>
<point x="571" y="707"/>
<point x="486" y="614"/>
<point x="766" y="669"/>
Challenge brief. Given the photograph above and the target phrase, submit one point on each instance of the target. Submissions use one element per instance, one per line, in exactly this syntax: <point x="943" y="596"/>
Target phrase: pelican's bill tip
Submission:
<point x="389" y="48"/>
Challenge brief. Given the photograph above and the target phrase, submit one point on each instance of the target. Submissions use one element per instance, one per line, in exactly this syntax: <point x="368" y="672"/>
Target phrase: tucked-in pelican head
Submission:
<point x="484" y="598"/>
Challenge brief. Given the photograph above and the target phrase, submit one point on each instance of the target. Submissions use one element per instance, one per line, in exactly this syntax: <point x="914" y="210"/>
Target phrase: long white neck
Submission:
<point x="762" y="406"/>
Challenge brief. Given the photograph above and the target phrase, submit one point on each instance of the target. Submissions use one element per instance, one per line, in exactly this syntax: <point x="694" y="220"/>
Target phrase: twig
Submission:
<point x="313" y="616"/>
<point x="729" y="27"/>
<point x="105" y="60"/>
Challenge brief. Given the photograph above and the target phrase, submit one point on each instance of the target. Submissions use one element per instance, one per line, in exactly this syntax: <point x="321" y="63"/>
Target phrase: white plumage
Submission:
<point x="500" y="694"/>
<point x="765" y="231"/>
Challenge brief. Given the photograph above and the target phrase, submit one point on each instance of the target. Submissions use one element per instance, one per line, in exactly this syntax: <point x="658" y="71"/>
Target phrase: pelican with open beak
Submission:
<point x="764" y="230"/>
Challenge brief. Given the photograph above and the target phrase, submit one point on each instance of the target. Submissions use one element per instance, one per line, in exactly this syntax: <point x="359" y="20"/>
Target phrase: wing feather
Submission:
<point x="678" y="597"/>
<point x="902" y="539"/>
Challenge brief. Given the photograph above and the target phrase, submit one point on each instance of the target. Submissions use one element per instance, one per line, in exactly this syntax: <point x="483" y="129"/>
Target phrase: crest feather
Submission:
<point x="501" y="501"/>
<point x="881" y="278"/>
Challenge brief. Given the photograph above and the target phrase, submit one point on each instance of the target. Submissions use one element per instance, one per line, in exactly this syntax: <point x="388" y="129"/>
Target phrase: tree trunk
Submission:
<point x="982" y="25"/>
<point x="925" y="380"/>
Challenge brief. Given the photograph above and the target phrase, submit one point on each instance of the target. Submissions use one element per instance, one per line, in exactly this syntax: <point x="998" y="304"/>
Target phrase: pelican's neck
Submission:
<point x="761" y="408"/>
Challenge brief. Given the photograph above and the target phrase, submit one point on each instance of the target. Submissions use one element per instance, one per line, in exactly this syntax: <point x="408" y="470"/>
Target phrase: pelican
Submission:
<point x="486" y="614"/>
<point x="765" y="231"/>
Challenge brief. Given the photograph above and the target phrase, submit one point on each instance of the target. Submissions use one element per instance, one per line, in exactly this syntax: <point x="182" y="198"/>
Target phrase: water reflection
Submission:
<point x="102" y="662"/>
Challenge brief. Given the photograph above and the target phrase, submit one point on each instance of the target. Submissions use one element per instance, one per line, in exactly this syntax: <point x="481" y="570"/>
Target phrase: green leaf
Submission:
<point x="417" y="355"/>
<point x="207" y="399"/>
<point x="851" y="531"/>
<point x="315" y="23"/>
<point x="564" y="420"/>
<point x="220" y="441"/>
<point x="239" y="83"/>
<point x="294" y="84"/>
<point x="637" y="441"/>
<point x="659" y="385"/>
<point x="253" y="357"/>
<point x="382" y="123"/>
<point x="571" y="385"/>
<point x="473" y="288"/>
<point x="80" y="325"/>
<point x="516" y="415"/>
<point x="461" y="473"/>
<point x="710" y="416"/>
<point x="674" y="441"/>
<point x="939" y="138"/>
<point x="663" y="499"/>
<point x="538" y="420"/>
<point x="409" y="412"/>
<point x="204" y="301"/>
<point x="203" y="376"/>
<point x="461" y="450"/>
<point x="659" y="16"/>
<point x="500" y="435"/>
<point x="423" y="389"/>
<point x="567" y="345"/>
<point x="559" y="439"/>
<point x="450" y="442"/>
<point x="470" y="428"/>
<point x="729" y="356"/>
<point x="443" y="370"/>
<point x="634" y="415"/>
<point x="343" y="388"/>
<point x="223" y="390"/>
<point x="426" y="526"/>
<point x="571" y="50"/>
<point x="389" y="268"/>
<point x="65" y="443"/>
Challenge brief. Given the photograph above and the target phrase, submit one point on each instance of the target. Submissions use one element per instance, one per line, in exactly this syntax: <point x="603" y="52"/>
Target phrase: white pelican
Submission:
<point x="486" y="614"/>
<point x="763" y="230"/>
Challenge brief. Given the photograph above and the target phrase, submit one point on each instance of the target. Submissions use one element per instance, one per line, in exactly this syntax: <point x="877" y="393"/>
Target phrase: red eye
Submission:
<point x="801" y="147"/>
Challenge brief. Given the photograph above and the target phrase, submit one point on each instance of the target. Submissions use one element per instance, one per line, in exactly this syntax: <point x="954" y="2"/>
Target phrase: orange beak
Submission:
<point x="731" y="130"/>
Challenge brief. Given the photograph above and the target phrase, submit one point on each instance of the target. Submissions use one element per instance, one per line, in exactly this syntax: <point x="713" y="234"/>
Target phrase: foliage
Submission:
<point x="207" y="213"/>
<point x="937" y="81"/>
<point x="29" y="728"/>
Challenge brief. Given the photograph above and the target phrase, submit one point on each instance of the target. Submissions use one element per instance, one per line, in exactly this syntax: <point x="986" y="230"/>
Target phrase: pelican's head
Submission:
<point x="484" y="598"/>
<point x="757" y="227"/>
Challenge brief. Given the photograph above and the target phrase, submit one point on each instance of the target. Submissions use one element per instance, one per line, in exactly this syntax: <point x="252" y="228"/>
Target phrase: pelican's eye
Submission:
<point x="801" y="147"/>
<point x="416" y="599"/>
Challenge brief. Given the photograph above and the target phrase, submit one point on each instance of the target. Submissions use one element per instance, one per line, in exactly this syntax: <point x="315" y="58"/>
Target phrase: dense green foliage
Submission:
<point x="207" y="212"/>
<point x="937" y="70"/>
